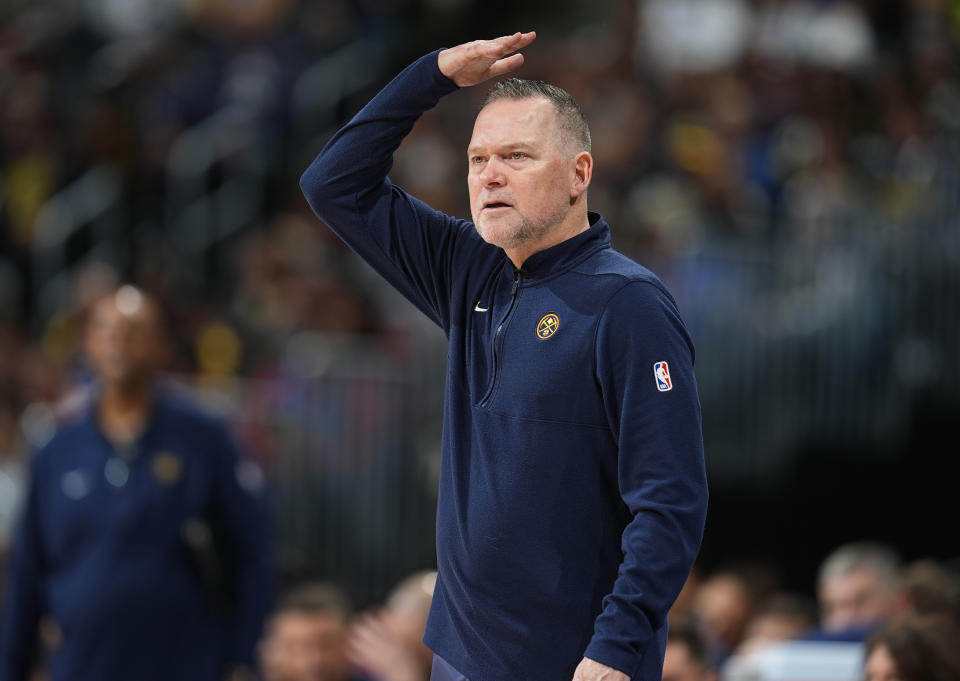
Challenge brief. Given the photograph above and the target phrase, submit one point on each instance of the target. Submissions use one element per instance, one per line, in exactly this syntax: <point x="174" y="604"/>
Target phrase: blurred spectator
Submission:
<point x="932" y="590"/>
<point x="833" y="35"/>
<point x="860" y="586"/>
<point x="688" y="656"/>
<point x="292" y="280"/>
<point x="724" y="603"/>
<point x="144" y="536"/>
<point x="13" y="472"/>
<point x="683" y="606"/>
<point x="306" y="636"/>
<point x="781" y="617"/>
<point x="914" y="649"/>
<point x="13" y="466"/>
<point x="388" y="645"/>
<point x="694" y="35"/>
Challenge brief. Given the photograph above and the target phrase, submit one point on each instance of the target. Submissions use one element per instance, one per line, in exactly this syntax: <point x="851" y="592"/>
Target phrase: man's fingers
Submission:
<point x="504" y="45"/>
<point x="506" y="65"/>
<point x="476" y="61"/>
<point x="519" y="39"/>
<point x="525" y="39"/>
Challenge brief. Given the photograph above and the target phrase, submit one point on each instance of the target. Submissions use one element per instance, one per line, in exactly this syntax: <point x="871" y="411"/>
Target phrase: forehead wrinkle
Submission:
<point x="532" y="126"/>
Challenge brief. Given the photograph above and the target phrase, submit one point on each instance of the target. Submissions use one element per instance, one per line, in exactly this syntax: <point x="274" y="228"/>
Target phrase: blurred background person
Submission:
<point x="13" y="475"/>
<point x="859" y="587"/>
<point x="688" y="656"/>
<point x="683" y="606"/>
<point x="914" y="649"/>
<point x="931" y="589"/>
<point x="782" y="617"/>
<point x="724" y="604"/>
<point x="145" y="535"/>
<point x="306" y="636"/>
<point x="387" y="644"/>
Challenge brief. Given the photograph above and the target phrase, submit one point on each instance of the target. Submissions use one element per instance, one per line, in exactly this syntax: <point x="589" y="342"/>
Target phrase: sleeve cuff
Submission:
<point x="444" y="85"/>
<point x="620" y="656"/>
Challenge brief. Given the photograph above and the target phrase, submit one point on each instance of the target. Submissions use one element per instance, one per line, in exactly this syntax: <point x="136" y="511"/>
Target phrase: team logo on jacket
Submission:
<point x="548" y="326"/>
<point x="661" y="372"/>
<point x="167" y="468"/>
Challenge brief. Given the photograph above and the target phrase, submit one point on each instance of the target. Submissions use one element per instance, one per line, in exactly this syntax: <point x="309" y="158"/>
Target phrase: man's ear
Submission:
<point x="582" y="174"/>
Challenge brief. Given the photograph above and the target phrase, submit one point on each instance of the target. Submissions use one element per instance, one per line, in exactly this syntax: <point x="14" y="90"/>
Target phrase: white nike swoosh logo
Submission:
<point x="477" y="308"/>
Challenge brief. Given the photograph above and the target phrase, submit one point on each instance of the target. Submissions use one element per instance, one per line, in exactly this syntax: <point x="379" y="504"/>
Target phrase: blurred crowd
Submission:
<point x="880" y="619"/>
<point x="900" y="620"/>
<point x="313" y="634"/>
<point x="864" y="593"/>
<point x="159" y="141"/>
<point x="783" y="164"/>
<point x="903" y="618"/>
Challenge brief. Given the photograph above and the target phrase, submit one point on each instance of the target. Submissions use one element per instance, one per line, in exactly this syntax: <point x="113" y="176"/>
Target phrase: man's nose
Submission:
<point x="492" y="173"/>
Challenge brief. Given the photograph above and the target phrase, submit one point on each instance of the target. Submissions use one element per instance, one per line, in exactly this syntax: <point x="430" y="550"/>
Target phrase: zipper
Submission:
<point x="498" y="338"/>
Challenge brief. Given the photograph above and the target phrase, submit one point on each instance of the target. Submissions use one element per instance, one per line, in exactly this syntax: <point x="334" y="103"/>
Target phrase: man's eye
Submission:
<point x="517" y="155"/>
<point x="476" y="160"/>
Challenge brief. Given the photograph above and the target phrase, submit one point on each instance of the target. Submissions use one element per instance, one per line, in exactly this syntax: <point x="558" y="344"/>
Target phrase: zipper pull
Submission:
<point x="516" y="282"/>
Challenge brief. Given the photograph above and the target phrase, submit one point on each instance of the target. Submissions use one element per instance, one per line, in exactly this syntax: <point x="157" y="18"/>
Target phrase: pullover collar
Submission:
<point x="566" y="254"/>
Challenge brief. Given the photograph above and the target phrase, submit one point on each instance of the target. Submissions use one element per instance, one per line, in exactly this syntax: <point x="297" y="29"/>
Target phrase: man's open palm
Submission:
<point x="480" y="60"/>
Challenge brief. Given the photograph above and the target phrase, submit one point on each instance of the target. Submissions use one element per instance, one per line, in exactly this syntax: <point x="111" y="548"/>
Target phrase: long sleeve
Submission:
<point x="242" y="521"/>
<point x="23" y="604"/>
<point x="661" y="469"/>
<point x="418" y="250"/>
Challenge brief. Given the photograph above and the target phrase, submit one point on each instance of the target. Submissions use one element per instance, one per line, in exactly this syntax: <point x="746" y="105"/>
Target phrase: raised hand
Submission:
<point x="377" y="648"/>
<point x="480" y="60"/>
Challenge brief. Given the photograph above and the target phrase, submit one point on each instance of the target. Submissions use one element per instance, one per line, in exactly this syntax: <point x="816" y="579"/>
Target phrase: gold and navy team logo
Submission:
<point x="167" y="468"/>
<point x="548" y="326"/>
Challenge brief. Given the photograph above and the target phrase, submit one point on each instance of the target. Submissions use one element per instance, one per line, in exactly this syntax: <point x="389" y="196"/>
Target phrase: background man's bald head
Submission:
<point x="128" y="302"/>
<point x="125" y="339"/>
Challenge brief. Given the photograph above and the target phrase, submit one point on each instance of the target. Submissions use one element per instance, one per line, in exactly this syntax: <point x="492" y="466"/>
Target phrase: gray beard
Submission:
<point x="527" y="231"/>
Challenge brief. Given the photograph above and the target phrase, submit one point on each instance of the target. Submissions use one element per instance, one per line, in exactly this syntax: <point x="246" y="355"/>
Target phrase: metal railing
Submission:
<point x="349" y="438"/>
<point x="215" y="185"/>
<point x="797" y="344"/>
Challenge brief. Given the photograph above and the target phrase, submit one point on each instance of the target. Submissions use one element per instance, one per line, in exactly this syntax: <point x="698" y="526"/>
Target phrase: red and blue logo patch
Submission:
<point x="661" y="372"/>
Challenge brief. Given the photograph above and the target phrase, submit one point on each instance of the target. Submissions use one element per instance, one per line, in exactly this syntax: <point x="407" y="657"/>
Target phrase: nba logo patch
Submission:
<point x="661" y="372"/>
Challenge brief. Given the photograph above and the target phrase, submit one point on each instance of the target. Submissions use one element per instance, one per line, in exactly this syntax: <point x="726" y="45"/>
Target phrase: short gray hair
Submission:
<point x="879" y="559"/>
<point x="570" y="119"/>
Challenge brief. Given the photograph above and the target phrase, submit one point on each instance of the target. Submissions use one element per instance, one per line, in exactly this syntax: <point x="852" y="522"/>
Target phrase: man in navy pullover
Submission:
<point x="572" y="491"/>
<point x="145" y="536"/>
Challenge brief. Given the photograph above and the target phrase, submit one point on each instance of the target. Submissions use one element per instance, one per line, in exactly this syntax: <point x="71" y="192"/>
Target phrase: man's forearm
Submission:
<point x="360" y="155"/>
<point x="358" y="158"/>
<point x="662" y="477"/>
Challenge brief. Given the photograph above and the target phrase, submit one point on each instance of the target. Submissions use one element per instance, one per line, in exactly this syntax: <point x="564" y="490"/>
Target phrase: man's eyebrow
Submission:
<point x="510" y="145"/>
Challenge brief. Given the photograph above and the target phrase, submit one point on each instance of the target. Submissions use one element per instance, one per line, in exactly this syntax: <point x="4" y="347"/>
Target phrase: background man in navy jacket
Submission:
<point x="572" y="487"/>
<point x="145" y="535"/>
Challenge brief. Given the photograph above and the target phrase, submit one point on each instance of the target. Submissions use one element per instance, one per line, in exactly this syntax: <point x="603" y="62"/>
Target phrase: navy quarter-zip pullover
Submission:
<point x="572" y="490"/>
<point x="101" y="550"/>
